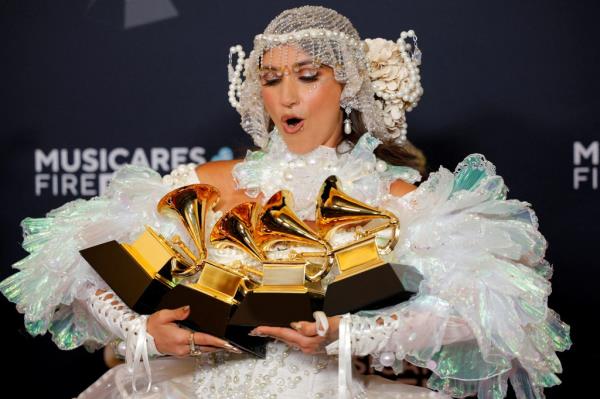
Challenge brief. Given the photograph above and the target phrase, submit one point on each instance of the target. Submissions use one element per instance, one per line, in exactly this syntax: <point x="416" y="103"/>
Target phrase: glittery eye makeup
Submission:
<point x="306" y="71"/>
<point x="310" y="74"/>
<point x="269" y="77"/>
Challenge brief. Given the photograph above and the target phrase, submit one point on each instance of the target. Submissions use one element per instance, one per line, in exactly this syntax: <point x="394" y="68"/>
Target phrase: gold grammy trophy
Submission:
<point x="361" y="268"/>
<point x="212" y="290"/>
<point x="140" y="273"/>
<point x="289" y="289"/>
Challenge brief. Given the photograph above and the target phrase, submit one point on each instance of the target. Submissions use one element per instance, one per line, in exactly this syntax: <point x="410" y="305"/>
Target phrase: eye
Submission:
<point x="309" y="74"/>
<point x="270" y="82"/>
<point x="269" y="78"/>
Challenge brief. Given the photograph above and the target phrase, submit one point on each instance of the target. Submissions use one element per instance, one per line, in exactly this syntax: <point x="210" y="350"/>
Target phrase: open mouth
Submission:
<point x="293" y="121"/>
<point x="293" y="124"/>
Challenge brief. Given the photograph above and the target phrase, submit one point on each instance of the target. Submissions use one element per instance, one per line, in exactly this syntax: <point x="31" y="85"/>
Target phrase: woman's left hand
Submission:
<point x="303" y="335"/>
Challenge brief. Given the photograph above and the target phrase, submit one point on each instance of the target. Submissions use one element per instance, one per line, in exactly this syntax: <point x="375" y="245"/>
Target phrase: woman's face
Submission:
<point x="302" y="99"/>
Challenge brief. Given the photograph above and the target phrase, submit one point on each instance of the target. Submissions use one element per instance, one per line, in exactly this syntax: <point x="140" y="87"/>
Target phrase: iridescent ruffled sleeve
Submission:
<point x="54" y="281"/>
<point x="480" y="316"/>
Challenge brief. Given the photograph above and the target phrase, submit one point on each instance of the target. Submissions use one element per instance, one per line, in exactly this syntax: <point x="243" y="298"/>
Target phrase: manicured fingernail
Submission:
<point x="231" y="348"/>
<point x="296" y="325"/>
<point x="186" y="308"/>
<point x="255" y="333"/>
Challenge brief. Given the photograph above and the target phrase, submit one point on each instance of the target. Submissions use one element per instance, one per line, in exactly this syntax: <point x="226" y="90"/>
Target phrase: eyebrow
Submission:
<point x="297" y="64"/>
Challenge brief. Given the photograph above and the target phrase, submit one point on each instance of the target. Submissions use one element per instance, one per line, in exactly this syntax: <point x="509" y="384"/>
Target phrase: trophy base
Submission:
<point x="126" y="276"/>
<point x="276" y="309"/>
<point x="211" y="316"/>
<point x="238" y="337"/>
<point x="371" y="289"/>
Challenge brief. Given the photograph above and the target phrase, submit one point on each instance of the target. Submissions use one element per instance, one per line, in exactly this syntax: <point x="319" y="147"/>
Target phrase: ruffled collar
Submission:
<point x="361" y="174"/>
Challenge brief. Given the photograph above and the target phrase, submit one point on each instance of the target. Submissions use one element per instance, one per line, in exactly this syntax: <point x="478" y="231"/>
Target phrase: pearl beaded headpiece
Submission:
<point x="381" y="78"/>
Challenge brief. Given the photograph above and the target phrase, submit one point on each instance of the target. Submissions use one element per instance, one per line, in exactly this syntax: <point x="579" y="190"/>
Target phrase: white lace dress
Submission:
<point x="479" y="318"/>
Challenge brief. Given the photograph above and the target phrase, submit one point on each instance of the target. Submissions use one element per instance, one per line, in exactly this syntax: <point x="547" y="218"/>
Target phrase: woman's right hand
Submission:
<point x="170" y="339"/>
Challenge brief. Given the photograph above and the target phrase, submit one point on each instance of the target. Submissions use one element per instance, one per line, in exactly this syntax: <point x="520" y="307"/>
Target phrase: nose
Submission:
<point x="289" y="91"/>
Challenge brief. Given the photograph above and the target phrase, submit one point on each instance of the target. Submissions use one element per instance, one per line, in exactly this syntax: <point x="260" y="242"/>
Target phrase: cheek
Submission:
<point x="325" y="98"/>
<point x="267" y="97"/>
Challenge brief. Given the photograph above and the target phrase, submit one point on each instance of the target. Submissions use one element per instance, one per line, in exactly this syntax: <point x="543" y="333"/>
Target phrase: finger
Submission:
<point x="185" y="351"/>
<point x="305" y="328"/>
<point x="211" y="349"/>
<point x="209" y="340"/>
<point x="170" y="315"/>
<point x="283" y="333"/>
<point x="208" y="349"/>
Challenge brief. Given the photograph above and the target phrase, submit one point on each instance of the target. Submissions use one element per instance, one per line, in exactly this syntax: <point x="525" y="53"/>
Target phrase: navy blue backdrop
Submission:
<point x="89" y="85"/>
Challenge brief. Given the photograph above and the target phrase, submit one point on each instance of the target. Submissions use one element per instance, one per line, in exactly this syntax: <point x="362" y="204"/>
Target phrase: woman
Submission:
<point x="319" y="101"/>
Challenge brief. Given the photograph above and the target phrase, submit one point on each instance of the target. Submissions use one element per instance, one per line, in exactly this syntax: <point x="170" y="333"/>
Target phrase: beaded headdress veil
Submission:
<point x="381" y="78"/>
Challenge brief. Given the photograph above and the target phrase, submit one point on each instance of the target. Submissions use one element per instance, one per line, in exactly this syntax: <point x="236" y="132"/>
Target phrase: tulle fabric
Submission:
<point x="481" y="258"/>
<point x="479" y="318"/>
<point x="54" y="281"/>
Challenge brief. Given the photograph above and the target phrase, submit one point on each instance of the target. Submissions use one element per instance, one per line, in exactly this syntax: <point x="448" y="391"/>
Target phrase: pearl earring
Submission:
<point x="347" y="121"/>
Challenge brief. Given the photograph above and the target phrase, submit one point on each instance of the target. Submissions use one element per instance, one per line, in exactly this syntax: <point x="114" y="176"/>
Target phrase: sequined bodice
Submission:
<point x="284" y="373"/>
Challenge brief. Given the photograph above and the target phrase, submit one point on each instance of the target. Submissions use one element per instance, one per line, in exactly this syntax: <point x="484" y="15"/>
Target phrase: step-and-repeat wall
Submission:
<point x="88" y="86"/>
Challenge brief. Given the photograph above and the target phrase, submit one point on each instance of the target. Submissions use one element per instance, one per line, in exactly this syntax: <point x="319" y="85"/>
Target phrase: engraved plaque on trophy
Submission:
<point x="365" y="280"/>
<point x="283" y="297"/>
<point x="284" y="294"/>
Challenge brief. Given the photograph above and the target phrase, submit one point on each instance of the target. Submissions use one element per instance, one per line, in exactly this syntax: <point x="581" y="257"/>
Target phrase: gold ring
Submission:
<point x="193" y="350"/>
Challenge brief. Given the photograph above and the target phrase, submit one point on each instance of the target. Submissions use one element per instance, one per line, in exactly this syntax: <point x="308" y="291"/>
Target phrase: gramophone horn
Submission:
<point x="277" y="222"/>
<point x="235" y="228"/>
<point x="335" y="209"/>
<point x="190" y="205"/>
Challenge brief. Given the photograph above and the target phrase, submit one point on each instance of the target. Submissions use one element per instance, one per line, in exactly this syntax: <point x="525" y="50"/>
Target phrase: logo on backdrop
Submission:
<point x="585" y="165"/>
<point x="87" y="171"/>
<point x="132" y="13"/>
